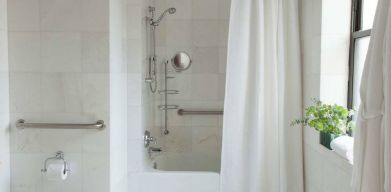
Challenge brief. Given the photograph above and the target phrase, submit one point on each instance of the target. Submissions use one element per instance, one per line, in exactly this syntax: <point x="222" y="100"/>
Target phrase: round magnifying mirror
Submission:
<point x="181" y="61"/>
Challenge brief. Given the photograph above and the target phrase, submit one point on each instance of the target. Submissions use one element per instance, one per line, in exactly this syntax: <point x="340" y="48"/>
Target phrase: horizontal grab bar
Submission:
<point x="193" y="112"/>
<point x="22" y="125"/>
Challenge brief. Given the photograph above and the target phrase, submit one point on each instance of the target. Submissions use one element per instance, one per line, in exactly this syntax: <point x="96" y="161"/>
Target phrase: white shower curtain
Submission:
<point x="261" y="152"/>
<point x="372" y="153"/>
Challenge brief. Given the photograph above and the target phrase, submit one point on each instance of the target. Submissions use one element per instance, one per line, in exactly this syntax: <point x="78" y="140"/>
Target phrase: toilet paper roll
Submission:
<point x="56" y="171"/>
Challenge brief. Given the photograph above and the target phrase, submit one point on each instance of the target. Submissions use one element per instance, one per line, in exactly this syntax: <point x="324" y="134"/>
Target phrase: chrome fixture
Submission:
<point x="152" y="150"/>
<point x="22" y="125"/>
<point x="148" y="139"/>
<point x="203" y="112"/>
<point x="155" y="22"/>
<point x="59" y="156"/>
<point x="151" y="78"/>
<point x="181" y="61"/>
<point x="165" y="107"/>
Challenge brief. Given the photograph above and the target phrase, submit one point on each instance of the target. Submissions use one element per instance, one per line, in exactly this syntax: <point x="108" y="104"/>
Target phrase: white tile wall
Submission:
<point x="59" y="62"/>
<point x="60" y="15"/>
<point x="95" y="53"/>
<point x="61" y="52"/>
<point x="5" y="175"/>
<point x="94" y="15"/>
<point x="205" y="33"/>
<point x="25" y="51"/>
<point x="118" y="97"/>
<point x="139" y="105"/>
<point x="24" y="15"/>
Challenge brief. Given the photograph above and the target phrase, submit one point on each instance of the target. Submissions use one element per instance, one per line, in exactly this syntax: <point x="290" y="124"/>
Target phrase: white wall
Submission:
<point x="325" y="41"/>
<point x="200" y="28"/>
<point x="4" y="102"/>
<point x="335" y="38"/>
<point x="139" y="98"/>
<point x="118" y="97"/>
<point x="59" y="72"/>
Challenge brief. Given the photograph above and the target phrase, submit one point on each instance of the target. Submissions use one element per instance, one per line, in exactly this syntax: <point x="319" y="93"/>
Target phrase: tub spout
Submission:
<point x="154" y="150"/>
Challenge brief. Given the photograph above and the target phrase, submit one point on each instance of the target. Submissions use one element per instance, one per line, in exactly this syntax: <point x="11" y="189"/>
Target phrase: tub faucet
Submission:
<point x="154" y="150"/>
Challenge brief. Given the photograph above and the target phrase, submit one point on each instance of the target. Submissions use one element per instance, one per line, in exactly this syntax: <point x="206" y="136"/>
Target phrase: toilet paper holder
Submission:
<point x="59" y="156"/>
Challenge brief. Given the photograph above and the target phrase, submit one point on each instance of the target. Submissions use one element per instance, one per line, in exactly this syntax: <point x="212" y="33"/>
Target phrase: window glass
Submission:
<point x="359" y="60"/>
<point x="368" y="13"/>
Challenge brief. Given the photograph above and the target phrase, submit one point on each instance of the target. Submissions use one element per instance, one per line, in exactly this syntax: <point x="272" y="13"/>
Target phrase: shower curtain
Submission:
<point x="372" y="153"/>
<point x="261" y="152"/>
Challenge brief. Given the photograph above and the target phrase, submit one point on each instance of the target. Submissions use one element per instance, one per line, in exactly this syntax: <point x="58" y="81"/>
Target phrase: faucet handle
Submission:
<point x="148" y="139"/>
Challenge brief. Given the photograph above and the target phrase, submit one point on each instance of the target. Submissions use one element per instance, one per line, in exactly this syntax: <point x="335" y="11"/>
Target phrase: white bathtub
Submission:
<point x="186" y="162"/>
<point x="171" y="181"/>
<point x="177" y="173"/>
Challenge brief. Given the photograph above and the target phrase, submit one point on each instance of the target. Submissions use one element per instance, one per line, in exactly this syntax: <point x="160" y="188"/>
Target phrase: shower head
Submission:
<point x="171" y="10"/>
<point x="156" y="22"/>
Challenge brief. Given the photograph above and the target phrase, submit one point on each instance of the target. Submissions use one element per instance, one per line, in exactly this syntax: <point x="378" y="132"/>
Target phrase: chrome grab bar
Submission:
<point x="22" y="125"/>
<point x="204" y="112"/>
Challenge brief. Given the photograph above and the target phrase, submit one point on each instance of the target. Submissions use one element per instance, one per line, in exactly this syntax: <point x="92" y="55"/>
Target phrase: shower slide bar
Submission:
<point x="22" y="125"/>
<point x="193" y="112"/>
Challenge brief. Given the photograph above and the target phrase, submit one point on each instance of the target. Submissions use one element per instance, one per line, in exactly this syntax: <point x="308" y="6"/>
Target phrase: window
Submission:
<point x="363" y="13"/>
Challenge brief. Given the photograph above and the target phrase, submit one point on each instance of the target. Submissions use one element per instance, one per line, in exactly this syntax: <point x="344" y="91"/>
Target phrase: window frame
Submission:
<point x="356" y="33"/>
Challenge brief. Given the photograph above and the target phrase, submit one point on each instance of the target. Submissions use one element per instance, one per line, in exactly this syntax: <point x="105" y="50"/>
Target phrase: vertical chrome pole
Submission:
<point x="166" y="132"/>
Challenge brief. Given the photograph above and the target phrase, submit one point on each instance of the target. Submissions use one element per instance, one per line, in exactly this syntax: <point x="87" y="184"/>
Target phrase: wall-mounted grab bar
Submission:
<point x="22" y="125"/>
<point x="193" y="112"/>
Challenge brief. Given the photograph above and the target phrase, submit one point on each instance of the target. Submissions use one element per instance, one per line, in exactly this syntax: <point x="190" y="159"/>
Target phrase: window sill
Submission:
<point x="311" y="141"/>
<point x="343" y="148"/>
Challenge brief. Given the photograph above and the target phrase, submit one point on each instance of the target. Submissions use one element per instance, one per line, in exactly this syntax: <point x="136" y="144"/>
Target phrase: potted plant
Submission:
<point x="331" y="121"/>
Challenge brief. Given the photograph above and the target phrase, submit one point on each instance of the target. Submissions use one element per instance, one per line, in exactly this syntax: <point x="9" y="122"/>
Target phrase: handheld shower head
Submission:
<point x="171" y="10"/>
<point x="156" y="22"/>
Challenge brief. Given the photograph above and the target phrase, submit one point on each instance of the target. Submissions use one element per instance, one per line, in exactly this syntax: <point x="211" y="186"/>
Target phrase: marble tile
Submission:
<point x="205" y="33"/>
<point x="135" y="56"/>
<point x="23" y="15"/>
<point x="224" y="9"/>
<point x="179" y="33"/>
<point x="178" y="139"/>
<point x="26" y="176"/>
<point x="205" y="60"/>
<point x="96" y="92"/>
<point x="95" y="52"/>
<point x="202" y="92"/>
<point x="95" y="172"/>
<point x="205" y="140"/>
<point x="61" y="52"/>
<point x="95" y="15"/>
<point x="61" y="15"/>
<point x="134" y="21"/>
<point x="205" y="9"/>
<point x="25" y="94"/>
<point x="223" y="32"/>
<point x="24" y="51"/>
<point x="222" y="60"/>
<point x="62" y="92"/>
